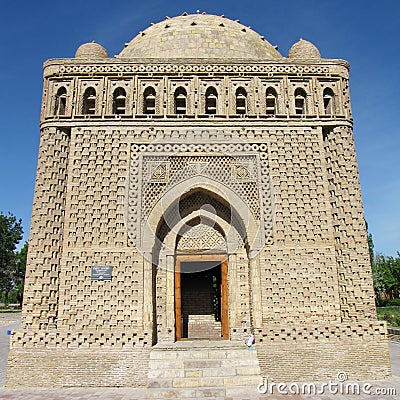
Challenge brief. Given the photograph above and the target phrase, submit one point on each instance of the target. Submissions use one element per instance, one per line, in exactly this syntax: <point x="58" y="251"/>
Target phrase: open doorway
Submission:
<point x="201" y="298"/>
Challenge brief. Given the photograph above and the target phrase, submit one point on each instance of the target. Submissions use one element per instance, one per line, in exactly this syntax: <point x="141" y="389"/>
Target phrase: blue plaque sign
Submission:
<point x="101" y="273"/>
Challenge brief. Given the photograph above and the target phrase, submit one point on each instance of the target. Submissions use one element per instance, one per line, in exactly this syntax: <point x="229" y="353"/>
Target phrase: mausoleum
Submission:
<point x="195" y="188"/>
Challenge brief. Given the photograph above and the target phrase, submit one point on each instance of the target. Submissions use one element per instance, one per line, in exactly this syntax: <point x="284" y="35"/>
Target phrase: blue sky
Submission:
<point x="365" y="33"/>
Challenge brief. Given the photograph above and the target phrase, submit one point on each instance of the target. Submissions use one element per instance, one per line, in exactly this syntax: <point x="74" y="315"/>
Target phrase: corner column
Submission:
<point x="170" y="306"/>
<point x="148" y="293"/>
<point x="255" y="288"/>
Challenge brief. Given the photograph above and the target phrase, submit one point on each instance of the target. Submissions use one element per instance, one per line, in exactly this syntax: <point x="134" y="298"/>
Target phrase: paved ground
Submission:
<point x="11" y="321"/>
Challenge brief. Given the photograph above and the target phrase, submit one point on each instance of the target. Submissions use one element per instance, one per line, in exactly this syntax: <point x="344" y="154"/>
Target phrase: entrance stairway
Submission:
<point x="203" y="369"/>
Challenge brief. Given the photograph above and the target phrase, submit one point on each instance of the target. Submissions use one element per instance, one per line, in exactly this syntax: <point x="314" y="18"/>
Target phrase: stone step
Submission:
<point x="246" y="392"/>
<point x="200" y="353"/>
<point x="200" y="382"/>
<point x="248" y="370"/>
<point x="187" y="393"/>
<point x="212" y="369"/>
<point x="219" y="393"/>
<point x="217" y="381"/>
<point x="202" y="363"/>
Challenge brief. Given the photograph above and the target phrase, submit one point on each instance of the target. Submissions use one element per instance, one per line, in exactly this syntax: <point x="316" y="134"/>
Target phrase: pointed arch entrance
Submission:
<point x="199" y="239"/>
<point x="200" y="202"/>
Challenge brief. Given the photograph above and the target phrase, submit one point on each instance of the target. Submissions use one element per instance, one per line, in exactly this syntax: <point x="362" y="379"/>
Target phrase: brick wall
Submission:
<point x="285" y="361"/>
<point x="317" y="352"/>
<point x="62" y="368"/>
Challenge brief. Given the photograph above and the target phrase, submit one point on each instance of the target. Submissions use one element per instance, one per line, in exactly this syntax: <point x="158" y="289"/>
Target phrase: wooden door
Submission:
<point x="223" y="291"/>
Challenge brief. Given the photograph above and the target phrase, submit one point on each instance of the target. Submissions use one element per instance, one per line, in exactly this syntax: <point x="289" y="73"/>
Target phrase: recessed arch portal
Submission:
<point x="199" y="240"/>
<point x="210" y="267"/>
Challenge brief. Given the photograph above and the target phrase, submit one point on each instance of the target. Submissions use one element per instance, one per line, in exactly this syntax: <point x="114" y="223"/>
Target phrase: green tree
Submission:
<point x="393" y="268"/>
<point x="370" y="245"/>
<point x="380" y="276"/>
<point x="10" y="235"/>
<point x="376" y="271"/>
<point x="19" y="272"/>
<point x="386" y="273"/>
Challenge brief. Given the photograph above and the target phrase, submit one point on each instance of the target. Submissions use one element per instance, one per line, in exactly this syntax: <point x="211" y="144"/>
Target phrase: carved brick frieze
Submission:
<point x="272" y="69"/>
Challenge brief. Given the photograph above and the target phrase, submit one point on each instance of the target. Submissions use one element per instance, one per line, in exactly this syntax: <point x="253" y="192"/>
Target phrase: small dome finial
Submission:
<point x="91" y="50"/>
<point x="304" y="49"/>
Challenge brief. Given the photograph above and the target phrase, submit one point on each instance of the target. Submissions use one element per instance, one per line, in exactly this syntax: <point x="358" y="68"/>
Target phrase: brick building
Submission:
<point x="199" y="185"/>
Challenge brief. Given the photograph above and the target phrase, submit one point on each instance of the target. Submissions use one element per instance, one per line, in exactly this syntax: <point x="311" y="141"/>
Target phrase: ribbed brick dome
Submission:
<point x="199" y="36"/>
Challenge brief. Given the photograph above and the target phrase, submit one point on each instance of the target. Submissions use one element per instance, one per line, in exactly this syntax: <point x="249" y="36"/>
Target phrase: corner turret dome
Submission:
<point x="304" y="50"/>
<point x="192" y="36"/>
<point x="91" y="50"/>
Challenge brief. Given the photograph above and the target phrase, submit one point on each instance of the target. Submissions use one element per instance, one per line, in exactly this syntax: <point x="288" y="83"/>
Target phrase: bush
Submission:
<point x="3" y="299"/>
<point x="390" y="314"/>
<point x="381" y="302"/>
<point x="13" y="297"/>
<point x="393" y="302"/>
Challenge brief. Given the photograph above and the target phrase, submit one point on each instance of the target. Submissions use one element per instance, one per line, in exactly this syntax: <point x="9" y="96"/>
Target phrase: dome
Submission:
<point x="199" y="36"/>
<point x="91" y="50"/>
<point x="304" y="50"/>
